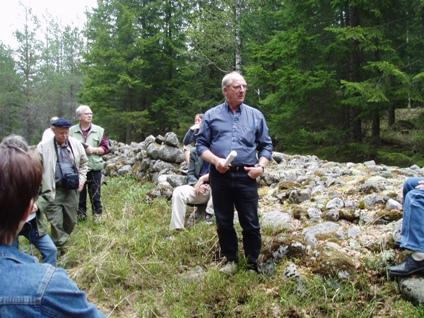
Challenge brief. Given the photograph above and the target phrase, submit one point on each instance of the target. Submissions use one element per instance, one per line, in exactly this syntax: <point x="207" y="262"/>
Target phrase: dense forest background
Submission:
<point x="329" y="75"/>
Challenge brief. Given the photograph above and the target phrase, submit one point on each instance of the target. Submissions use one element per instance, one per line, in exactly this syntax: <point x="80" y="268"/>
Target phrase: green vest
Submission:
<point x="95" y="162"/>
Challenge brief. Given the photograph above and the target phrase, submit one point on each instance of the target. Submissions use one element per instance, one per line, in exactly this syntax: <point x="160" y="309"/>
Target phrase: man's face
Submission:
<point x="235" y="93"/>
<point x="86" y="116"/>
<point x="61" y="134"/>
<point x="198" y="120"/>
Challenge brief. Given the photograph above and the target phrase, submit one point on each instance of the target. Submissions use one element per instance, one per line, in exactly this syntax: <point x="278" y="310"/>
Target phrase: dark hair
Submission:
<point x="20" y="179"/>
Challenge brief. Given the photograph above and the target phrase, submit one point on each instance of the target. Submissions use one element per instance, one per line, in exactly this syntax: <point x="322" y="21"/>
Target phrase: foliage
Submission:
<point x="131" y="266"/>
<point x="324" y="73"/>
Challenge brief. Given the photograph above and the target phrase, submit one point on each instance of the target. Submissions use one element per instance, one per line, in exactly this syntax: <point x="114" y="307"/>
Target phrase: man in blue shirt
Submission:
<point x="28" y="288"/>
<point x="236" y="126"/>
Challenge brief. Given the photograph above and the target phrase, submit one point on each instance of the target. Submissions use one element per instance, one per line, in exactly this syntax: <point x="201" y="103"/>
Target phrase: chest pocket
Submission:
<point x="247" y="135"/>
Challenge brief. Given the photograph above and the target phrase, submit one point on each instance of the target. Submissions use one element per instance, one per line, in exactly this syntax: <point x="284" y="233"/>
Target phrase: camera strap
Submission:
<point x="58" y="157"/>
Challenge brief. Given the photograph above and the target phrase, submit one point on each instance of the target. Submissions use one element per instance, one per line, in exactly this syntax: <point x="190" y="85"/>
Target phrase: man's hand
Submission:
<point x="254" y="172"/>
<point x="201" y="187"/>
<point x="220" y="165"/>
<point x="195" y="126"/>
<point x="89" y="150"/>
<point x="80" y="186"/>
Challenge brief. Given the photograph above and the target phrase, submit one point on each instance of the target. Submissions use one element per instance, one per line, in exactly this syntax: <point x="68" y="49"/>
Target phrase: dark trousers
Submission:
<point x="235" y="189"/>
<point x="93" y="184"/>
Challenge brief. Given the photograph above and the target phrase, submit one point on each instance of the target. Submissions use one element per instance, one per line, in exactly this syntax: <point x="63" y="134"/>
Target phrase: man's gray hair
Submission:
<point x="81" y="109"/>
<point x="229" y="78"/>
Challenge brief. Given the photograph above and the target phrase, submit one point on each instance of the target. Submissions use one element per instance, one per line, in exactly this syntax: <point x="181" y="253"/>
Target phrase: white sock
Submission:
<point x="418" y="256"/>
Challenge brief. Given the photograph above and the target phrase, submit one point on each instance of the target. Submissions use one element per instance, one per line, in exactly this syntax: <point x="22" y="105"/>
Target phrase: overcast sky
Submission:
<point x="68" y="12"/>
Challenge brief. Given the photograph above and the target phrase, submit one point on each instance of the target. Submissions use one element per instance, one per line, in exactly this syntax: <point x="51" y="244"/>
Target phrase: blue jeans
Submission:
<point x="235" y="189"/>
<point x="410" y="184"/>
<point x="43" y="243"/>
<point x="412" y="235"/>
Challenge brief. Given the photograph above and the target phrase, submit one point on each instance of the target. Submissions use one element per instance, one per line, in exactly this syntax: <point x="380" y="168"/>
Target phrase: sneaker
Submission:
<point x="229" y="268"/>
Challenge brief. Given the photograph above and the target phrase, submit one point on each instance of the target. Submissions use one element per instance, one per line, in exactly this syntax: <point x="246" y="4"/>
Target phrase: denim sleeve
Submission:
<point x="62" y="298"/>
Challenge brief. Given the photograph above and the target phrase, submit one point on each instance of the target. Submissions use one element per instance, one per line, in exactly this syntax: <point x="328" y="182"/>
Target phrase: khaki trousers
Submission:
<point x="62" y="215"/>
<point x="182" y="196"/>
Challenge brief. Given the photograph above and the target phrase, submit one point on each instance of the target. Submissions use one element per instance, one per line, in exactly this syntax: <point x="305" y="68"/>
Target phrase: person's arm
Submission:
<point x="264" y="142"/>
<point x="102" y="149"/>
<point x="258" y="169"/>
<point x="202" y="185"/>
<point x="191" y="173"/>
<point x="188" y="137"/>
<point x="219" y="163"/>
<point x="202" y="147"/>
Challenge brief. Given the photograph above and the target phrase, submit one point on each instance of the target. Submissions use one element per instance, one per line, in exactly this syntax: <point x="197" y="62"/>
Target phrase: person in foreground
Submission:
<point x="35" y="235"/>
<point x="236" y="126"/>
<point x="412" y="235"/>
<point x="28" y="288"/>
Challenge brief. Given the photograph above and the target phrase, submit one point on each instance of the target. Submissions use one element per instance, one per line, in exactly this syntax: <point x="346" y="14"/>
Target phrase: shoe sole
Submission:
<point x="402" y="274"/>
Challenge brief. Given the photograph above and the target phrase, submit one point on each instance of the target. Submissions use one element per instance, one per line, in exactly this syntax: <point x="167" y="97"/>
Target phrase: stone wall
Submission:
<point x="334" y="217"/>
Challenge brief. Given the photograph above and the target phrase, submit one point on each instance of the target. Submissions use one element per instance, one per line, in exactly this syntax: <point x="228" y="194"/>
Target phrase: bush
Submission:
<point x="348" y="152"/>
<point x="393" y="158"/>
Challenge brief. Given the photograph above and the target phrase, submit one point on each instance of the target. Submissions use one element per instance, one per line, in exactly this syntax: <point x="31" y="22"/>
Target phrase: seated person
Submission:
<point x="412" y="235"/>
<point x="196" y="191"/>
<point x="190" y="137"/>
<point x="41" y="240"/>
<point x="28" y="288"/>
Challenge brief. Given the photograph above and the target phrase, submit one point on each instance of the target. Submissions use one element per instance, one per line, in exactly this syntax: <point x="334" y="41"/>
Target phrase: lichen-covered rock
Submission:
<point x="412" y="288"/>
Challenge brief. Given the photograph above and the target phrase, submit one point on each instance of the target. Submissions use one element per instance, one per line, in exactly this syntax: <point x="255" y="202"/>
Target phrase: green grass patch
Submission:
<point x="131" y="267"/>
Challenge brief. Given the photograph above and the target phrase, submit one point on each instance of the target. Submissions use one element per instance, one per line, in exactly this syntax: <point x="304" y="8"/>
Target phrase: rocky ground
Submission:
<point x="330" y="218"/>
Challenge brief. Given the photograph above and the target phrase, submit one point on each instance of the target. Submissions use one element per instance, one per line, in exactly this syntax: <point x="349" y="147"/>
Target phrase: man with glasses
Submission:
<point x="235" y="126"/>
<point x="96" y="145"/>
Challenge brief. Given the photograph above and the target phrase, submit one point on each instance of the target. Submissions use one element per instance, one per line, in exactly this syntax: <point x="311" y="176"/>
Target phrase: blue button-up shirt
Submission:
<point x="244" y="131"/>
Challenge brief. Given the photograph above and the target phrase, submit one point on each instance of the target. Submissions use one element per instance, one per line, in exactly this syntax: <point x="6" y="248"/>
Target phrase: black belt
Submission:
<point x="238" y="168"/>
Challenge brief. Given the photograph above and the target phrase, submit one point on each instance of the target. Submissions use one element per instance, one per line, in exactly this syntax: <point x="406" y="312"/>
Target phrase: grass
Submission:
<point x="131" y="267"/>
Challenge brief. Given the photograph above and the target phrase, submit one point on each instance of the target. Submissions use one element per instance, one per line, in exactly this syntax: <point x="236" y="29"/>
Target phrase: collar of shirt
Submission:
<point x="238" y="110"/>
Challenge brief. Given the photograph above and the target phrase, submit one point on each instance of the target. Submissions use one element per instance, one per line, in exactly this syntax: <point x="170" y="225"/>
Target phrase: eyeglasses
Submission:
<point x="239" y="87"/>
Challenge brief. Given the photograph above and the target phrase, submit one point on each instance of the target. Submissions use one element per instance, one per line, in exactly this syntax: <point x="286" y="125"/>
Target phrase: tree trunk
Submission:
<point x="237" y="36"/>
<point x="376" y="127"/>
<point x="391" y="115"/>
<point x="354" y="66"/>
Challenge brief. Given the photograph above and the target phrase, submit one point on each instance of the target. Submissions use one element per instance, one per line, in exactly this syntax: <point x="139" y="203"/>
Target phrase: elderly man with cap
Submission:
<point x="65" y="168"/>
